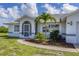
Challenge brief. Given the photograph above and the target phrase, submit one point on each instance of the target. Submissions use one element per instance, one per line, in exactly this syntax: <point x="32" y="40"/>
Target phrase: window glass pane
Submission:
<point x="16" y="28"/>
<point x="50" y="27"/>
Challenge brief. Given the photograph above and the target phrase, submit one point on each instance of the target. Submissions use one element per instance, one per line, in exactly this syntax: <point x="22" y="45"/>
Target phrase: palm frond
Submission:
<point x="45" y="17"/>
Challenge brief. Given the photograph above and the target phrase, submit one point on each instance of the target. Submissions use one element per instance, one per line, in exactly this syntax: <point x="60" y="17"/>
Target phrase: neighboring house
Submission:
<point x="67" y="24"/>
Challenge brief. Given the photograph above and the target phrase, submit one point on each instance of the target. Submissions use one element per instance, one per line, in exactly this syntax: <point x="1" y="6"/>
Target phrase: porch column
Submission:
<point x="20" y="30"/>
<point x="32" y="29"/>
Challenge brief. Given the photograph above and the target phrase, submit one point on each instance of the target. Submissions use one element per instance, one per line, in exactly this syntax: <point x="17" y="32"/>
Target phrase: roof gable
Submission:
<point x="23" y="17"/>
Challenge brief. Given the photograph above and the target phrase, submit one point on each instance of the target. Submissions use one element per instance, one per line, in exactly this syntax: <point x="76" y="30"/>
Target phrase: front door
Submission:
<point x="26" y="30"/>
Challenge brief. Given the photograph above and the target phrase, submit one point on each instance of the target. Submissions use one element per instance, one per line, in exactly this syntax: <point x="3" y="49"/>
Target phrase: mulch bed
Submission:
<point x="61" y="44"/>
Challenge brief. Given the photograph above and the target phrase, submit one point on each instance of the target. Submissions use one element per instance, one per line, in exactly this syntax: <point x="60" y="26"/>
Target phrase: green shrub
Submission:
<point x="3" y="29"/>
<point x="54" y="35"/>
<point x="40" y="36"/>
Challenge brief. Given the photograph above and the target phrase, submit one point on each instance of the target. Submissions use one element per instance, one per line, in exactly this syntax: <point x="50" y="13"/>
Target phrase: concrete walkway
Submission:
<point x="48" y="46"/>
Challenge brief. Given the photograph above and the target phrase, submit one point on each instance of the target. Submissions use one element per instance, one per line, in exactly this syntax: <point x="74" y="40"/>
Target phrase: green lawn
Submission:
<point x="10" y="47"/>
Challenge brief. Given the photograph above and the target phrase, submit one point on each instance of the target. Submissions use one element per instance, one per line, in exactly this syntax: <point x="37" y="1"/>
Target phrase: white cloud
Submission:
<point x="29" y="9"/>
<point x="8" y="14"/>
<point x="3" y="16"/>
<point x="14" y="12"/>
<point x="51" y="10"/>
<point x="3" y="12"/>
<point x="67" y="8"/>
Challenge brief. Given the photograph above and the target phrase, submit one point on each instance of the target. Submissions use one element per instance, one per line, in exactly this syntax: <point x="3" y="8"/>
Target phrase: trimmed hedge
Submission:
<point x="3" y="29"/>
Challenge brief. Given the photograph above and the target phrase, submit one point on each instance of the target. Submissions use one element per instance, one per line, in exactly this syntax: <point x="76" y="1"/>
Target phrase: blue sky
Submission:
<point x="12" y="11"/>
<point x="57" y="5"/>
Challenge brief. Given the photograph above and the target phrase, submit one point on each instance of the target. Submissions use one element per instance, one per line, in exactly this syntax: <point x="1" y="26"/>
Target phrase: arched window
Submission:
<point x="26" y="28"/>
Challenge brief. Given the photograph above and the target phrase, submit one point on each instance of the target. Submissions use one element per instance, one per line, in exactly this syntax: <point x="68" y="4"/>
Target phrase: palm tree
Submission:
<point x="45" y="17"/>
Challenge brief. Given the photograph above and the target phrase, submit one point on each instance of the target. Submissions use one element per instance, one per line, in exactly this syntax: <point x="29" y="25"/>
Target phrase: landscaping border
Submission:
<point x="48" y="46"/>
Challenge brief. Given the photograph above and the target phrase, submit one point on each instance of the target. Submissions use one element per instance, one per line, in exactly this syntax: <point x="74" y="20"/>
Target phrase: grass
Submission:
<point x="10" y="47"/>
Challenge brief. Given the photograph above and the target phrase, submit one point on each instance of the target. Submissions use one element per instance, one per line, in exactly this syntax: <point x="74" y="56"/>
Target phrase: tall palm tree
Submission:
<point x="45" y="17"/>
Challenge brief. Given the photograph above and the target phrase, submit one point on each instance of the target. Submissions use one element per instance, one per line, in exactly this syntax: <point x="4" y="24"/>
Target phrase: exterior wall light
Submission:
<point x="70" y="22"/>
